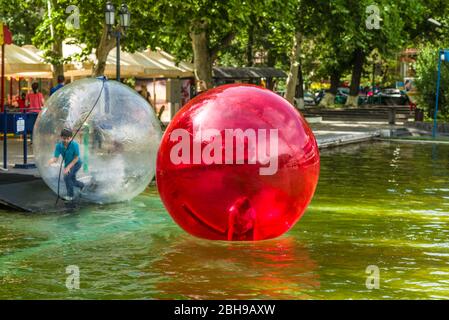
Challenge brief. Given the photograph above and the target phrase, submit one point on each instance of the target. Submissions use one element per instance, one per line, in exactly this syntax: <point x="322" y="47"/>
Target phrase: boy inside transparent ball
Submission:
<point x="70" y="152"/>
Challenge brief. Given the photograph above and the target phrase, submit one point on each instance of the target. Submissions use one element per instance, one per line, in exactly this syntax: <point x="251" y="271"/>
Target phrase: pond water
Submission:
<point x="377" y="204"/>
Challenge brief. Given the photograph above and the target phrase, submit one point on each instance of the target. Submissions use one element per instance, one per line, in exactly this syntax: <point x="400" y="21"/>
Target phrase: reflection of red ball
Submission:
<point x="238" y="162"/>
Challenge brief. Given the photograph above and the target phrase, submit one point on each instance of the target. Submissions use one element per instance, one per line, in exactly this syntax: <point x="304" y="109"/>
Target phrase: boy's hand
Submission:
<point x="66" y="170"/>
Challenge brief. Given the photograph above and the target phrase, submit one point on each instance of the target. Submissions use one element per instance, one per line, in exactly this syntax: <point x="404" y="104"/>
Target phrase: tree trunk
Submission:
<point x="329" y="97"/>
<point x="57" y="67"/>
<point x="385" y="74"/>
<point x="355" y="80"/>
<point x="294" y="67"/>
<point x="201" y="56"/>
<point x="271" y="62"/>
<point x="300" y="89"/>
<point x="249" y="47"/>
<point x="104" y="47"/>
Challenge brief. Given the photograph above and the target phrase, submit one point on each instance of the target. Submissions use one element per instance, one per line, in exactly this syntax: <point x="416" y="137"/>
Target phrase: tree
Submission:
<point x="306" y="16"/>
<point x="22" y="18"/>
<point x="294" y="67"/>
<point x="51" y="32"/>
<point x="268" y="35"/>
<point x="56" y="33"/>
<point x="352" y="30"/>
<point x="92" y="31"/>
<point x="334" y="56"/>
<point x="25" y="17"/>
<point x="402" y="22"/>
<point x="209" y="26"/>
<point x="426" y="71"/>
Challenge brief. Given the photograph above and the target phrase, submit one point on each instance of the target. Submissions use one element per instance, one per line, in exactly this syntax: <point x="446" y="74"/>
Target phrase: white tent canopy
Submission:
<point x="28" y="61"/>
<point x="24" y="62"/>
<point x="144" y="64"/>
<point x="161" y="64"/>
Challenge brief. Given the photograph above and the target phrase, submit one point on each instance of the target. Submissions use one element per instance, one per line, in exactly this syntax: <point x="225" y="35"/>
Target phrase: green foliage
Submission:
<point x="345" y="30"/>
<point x="427" y="69"/>
<point x="218" y="18"/>
<point x="22" y="18"/>
<point x="91" y="19"/>
<point x="131" y="82"/>
<point x="332" y="30"/>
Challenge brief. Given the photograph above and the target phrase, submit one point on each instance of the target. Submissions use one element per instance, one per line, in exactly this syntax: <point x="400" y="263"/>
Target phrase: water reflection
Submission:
<point x="274" y="269"/>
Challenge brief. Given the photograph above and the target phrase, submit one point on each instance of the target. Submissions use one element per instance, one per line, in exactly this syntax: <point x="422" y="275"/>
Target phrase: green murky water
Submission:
<point x="382" y="204"/>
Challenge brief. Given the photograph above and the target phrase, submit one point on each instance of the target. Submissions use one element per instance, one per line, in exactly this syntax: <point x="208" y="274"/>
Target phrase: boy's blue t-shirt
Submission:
<point x="69" y="154"/>
<point x="56" y="88"/>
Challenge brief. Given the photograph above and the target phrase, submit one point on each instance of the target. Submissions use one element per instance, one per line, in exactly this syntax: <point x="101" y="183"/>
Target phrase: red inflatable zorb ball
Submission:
<point x="238" y="162"/>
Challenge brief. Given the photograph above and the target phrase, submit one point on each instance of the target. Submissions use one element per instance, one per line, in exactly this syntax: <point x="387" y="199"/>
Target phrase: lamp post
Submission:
<point x="125" y="18"/>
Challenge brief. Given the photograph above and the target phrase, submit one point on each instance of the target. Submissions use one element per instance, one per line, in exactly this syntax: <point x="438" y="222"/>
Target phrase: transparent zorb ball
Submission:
<point x="118" y="138"/>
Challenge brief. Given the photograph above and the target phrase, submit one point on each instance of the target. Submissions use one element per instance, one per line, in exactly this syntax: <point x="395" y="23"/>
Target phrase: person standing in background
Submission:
<point x="21" y="99"/>
<point x="147" y="96"/>
<point x="35" y="99"/>
<point x="60" y="84"/>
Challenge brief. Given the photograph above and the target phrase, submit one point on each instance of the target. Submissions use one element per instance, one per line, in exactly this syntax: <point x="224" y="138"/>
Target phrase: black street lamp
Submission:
<point x="125" y="19"/>
<point x="125" y="16"/>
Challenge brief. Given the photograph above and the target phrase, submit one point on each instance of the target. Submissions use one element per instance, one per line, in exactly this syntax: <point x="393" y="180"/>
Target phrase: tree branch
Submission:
<point x="223" y="43"/>
<point x="104" y="47"/>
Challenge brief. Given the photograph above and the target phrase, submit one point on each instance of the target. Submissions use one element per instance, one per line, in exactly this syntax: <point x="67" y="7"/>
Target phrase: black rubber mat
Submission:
<point x="32" y="196"/>
<point x="7" y="178"/>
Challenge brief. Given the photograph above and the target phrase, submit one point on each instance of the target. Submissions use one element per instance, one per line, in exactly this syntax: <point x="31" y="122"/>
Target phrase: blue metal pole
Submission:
<point x="25" y="138"/>
<point x="434" y="130"/>
<point x="5" y="122"/>
<point x="5" y="137"/>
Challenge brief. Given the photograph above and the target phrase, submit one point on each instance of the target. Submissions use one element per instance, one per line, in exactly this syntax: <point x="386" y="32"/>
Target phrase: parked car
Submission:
<point x="343" y="90"/>
<point x="319" y="95"/>
<point x="342" y="95"/>
<point x="309" y="99"/>
<point x="392" y="96"/>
